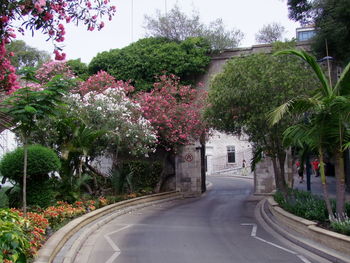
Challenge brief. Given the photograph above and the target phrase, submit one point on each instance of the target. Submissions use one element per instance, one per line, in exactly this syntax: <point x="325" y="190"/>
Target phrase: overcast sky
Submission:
<point x="247" y="15"/>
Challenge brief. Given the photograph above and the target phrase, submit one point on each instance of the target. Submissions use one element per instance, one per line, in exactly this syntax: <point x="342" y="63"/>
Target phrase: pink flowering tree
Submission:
<point x="100" y="82"/>
<point x="53" y="68"/>
<point x="174" y="111"/>
<point x="46" y="73"/>
<point x="48" y="16"/>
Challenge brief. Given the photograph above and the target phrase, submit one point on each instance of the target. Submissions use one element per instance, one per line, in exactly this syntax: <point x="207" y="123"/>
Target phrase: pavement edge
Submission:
<point x="54" y="244"/>
<point x="304" y="233"/>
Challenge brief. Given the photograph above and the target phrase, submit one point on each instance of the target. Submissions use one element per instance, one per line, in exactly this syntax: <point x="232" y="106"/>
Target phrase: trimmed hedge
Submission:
<point x="41" y="161"/>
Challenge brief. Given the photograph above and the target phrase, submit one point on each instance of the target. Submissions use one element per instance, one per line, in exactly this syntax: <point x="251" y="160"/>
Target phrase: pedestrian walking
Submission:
<point x="316" y="167"/>
<point x="244" y="168"/>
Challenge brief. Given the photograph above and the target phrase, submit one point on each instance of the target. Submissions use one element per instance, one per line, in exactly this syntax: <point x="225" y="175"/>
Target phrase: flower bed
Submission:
<point x="21" y="237"/>
<point x="312" y="207"/>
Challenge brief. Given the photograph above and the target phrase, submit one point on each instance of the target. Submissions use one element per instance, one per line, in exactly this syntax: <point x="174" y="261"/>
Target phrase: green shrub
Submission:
<point x="347" y="209"/>
<point x="145" y="175"/>
<point x="4" y="200"/>
<point x="41" y="161"/>
<point x="14" y="194"/>
<point x="41" y="194"/>
<point x="342" y="227"/>
<point x="114" y="199"/>
<point x="303" y="204"/>
<point x="13" y="240"/>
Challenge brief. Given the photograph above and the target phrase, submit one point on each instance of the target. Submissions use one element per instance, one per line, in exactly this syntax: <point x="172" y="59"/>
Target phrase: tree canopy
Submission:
<point x="48" y="17"/>
<point x="241" y="96"/>
<point x="174" y="111"/>
<point x="332" y="22"/>
<point x="26" y="56"/>
<point x="79" y="68"/>
<point x="270" y="33"/>
<point x="143" y="60"/>
<point x="176" y="25"/>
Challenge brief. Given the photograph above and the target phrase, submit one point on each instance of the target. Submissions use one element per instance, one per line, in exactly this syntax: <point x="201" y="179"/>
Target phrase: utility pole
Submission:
<point x="328" y="65"/>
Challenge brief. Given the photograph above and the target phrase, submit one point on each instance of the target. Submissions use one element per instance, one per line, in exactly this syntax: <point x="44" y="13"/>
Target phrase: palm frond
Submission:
<point x="296" y="135"/>
<point x="277" y="114"/>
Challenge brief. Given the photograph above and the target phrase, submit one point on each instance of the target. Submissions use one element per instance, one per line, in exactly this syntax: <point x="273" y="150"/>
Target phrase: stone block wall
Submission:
<point x="264" y="181"/>
<point x="188" y="170"/>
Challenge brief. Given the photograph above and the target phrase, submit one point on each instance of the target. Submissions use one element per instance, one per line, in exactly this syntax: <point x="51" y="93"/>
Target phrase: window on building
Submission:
<point x="231" y="154"/>
<point x="305" y="35"/>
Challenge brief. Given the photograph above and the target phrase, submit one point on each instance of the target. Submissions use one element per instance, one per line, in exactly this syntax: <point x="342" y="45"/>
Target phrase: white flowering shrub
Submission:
<point x="113" y="111"/>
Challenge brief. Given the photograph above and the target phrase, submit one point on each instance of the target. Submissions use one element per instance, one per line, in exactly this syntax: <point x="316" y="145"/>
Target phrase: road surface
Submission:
<point x="219" y="227"/>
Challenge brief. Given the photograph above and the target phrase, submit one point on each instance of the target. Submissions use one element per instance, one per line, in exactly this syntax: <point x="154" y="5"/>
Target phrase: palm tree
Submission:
<point x="309" y="137"/>
<point x="328" y="129"/>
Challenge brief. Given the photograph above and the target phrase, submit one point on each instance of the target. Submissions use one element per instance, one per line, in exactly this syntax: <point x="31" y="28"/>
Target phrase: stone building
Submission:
<point x="225" y="154"/>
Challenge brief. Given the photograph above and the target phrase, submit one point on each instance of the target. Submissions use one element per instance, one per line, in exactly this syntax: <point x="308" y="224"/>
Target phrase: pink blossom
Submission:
<point x="4" y="19"/>
<point x="45" y="16"/>
<point x="174" y="110"/>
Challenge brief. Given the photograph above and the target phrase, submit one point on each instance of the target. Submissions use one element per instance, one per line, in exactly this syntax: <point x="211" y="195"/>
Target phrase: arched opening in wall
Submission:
<point x="228" y="154"/>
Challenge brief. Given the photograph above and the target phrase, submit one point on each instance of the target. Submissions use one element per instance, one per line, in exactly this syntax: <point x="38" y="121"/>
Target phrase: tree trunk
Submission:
<point x="164" y="175"/>
<point x="325" y="187"/>
<point x="340" y="185"/>
<point x="24" y="188"/>
<point x="290" y="174"/>
<point x="279" y="175"/>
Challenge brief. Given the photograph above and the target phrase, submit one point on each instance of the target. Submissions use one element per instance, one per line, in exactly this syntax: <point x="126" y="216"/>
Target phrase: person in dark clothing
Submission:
<point x="300" y="170"/>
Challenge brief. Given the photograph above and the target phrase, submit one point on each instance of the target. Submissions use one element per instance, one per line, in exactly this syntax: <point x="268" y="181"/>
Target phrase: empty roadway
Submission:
<point x="218" y="227"/>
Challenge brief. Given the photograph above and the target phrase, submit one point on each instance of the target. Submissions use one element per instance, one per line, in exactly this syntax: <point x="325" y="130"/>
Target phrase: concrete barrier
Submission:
<point x="309" y="229"/>
<point x="54" y="244"/>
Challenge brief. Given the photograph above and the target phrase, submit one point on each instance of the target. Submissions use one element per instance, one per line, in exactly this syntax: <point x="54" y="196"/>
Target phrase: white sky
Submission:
<point x="247" y="15"/>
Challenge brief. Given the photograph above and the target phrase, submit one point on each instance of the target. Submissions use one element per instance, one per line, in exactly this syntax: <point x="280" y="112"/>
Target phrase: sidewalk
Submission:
<point x="316" y="186"/>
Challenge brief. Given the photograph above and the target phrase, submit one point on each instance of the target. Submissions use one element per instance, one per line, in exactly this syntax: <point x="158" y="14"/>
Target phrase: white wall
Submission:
<point x="7" y="144"/>
<point x="216" y="152"/>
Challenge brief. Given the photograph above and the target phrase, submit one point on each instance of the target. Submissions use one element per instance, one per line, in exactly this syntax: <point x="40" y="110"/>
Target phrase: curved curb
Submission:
<point x="304" y="233"/>
<point x="56" y="242"/>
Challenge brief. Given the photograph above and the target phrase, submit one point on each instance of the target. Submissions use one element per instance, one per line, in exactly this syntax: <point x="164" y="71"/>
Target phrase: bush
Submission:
<point x="41" y="194"/>
<point x="41" y="161"/>
<point x="14" y="195"/>
<point x="4" y="200"/>
<point x="14" y="244"/>
<point x="347" y="209"/>
<point x="342" y="227"/>
<point x="145" y="175"/>
<point x="303" y="204"/>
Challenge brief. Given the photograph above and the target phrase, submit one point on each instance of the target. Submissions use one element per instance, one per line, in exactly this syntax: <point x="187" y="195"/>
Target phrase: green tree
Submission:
<point x="300" y="10"/>
<point x="26" y="56"/>
<point x="332" y="22"/>
<point x="26" y="106"/>
<point x="270" y="33"/>
<point x="141" y="61"/>
<point x="177" y="26"/>
<point x="247" y="89"/>
<point x="41" y="162"/>
<point x="329" y="108"/>
<point x="79" y="68"/>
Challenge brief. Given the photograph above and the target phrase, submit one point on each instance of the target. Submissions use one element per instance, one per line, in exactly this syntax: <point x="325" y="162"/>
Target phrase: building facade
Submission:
<point x="225" y="154"/>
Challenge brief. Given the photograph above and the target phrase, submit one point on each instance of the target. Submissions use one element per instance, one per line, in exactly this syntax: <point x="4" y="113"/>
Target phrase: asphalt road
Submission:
<point x="219" y="227"/>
